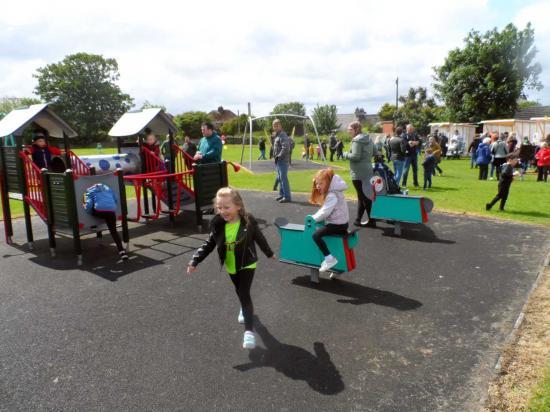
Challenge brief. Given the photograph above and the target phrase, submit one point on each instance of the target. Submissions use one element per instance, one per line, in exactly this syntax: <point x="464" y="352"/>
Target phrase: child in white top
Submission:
<point x="328" y="192"/>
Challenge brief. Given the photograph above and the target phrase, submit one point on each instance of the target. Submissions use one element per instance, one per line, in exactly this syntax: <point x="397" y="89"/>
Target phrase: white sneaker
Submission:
<point x="249" y="340"/>
<point x="240" y="318"/>
<point x="327" y="264"/>
<point x="334" y="276"/>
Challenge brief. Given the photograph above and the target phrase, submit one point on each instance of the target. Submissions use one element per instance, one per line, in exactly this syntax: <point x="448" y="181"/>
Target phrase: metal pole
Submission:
<point x="251" y="137"/>
<point x="396" y="101"/>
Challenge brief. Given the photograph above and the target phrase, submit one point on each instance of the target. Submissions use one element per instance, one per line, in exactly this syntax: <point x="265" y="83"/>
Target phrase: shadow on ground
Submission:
<point x="316" y="369"/>
<point x="359" y="294"/>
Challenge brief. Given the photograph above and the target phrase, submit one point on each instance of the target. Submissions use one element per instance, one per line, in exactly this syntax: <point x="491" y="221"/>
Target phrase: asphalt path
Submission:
<point x="418" y="326"/>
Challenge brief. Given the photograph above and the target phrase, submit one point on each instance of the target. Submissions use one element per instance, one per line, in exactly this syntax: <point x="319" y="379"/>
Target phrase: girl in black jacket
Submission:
<point x="234" y="232"/>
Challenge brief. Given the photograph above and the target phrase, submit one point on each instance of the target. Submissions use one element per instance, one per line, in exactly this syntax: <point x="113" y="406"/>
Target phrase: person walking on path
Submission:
<point x="281" y="154"/>
<point x="360" y="164"/>
<point x="235" y="233"/>
<point x="397" y="152"/>
<point x="261" y="146"/>
<point x="411" y="160"/>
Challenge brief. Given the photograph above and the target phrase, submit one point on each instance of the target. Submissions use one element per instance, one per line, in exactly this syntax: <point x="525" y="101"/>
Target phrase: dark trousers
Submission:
<point x="242" y="280"/>
<point x="328" y="230"/>
<point x="363" y="202"/>
<point x="427" y="177"/>
<point x="110" y="220"/>
<point x="483" y="172"/>
<point x="502" y="195"/>
<point x="440" y="170"/>
<point x="332" y="151"/>
<point x="498" y="162"/>
<point x="543" y="173"/>
<point x="411" y="161"/>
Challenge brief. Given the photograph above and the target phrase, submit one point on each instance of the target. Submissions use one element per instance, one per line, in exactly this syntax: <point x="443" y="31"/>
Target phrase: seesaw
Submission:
<point x="398" y="208"/>
<point x="298" y="247"/>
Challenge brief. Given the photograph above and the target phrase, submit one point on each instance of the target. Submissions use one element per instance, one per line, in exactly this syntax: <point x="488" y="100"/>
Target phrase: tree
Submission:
<point x="148" y="105"/>
<point x="416" y="108"/>
<point x="526" y="104"/>
<point x="485" y="79"/>
<point x="234" y="126"/>
<point x="7" y="104"/>
<point x="361" y="114"/>
<point x="83" y="92"/>
<point x="325" y="118"/>
<point x="289" y="122"/>
<point x="387" y="111"/>
<point x="190" y="122"/>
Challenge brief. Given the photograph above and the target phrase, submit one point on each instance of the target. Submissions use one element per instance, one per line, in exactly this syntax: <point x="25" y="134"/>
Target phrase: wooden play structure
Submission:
<point x="56" y="197"/>
<point x="298" y="247"/>
<point x="543" y="129"/>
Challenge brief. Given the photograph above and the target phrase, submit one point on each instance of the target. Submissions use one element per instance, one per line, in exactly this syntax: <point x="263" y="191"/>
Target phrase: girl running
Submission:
<point x="234" y="232"/>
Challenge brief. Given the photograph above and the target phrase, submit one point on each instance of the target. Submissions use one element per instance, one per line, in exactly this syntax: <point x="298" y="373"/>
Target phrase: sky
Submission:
<point x="200" y="55"/>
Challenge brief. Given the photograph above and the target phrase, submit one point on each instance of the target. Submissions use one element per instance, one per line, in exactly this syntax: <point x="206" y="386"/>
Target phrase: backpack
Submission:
<point x="387" y="175"/>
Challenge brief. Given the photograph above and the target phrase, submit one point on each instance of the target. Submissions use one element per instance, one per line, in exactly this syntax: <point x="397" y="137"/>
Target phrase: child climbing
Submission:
<point x="328" y="192"/>
<point x="100" y="201"/>
<point x="41" y="152"/>
<point x="234" y="232"/>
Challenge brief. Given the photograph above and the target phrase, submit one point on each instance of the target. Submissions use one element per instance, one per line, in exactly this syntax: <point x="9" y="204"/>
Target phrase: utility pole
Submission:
<point x="396" y="101"/>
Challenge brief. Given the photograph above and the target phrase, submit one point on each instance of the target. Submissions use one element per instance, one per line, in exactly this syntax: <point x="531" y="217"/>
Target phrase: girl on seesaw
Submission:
<point x="328" y="192"/>
<point x="234" y="232"/>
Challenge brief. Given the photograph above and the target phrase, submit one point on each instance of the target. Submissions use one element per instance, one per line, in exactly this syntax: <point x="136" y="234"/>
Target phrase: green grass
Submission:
<point x="541" y="399"/>
<point x="458" y="190"/>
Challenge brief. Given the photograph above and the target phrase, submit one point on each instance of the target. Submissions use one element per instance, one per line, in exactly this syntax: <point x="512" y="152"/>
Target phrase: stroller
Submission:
<point x="382" y="170"/>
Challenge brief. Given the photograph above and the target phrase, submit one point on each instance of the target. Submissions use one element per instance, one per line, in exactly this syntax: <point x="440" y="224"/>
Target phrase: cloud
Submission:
<point x="199" y="55"/>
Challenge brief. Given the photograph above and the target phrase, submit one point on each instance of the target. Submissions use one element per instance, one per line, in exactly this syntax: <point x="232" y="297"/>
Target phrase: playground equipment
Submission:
<point x="55" y="197"/>
<point x="249" y="127"/>
<point x="176" y="181"/>
<point x="398" y="208"/>
<point x="543" y="129"/>
<point x="298" y="247"/>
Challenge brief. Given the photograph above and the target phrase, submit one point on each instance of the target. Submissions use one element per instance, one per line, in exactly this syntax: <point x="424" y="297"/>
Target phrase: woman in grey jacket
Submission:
<point x="360" y="165"/>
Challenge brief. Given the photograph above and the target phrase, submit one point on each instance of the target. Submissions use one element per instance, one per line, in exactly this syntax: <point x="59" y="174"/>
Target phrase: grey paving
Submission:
<point x="418" y="327"/>
<point x="267" y="166"/>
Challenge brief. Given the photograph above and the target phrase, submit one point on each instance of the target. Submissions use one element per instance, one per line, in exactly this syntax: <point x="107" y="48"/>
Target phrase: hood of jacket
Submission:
<point x="362" y="138"/>
<point x="337" y="184"/>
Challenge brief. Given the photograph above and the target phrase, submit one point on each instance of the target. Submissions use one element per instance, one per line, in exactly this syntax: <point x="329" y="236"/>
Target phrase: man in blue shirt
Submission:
<point x="210" y="146"/>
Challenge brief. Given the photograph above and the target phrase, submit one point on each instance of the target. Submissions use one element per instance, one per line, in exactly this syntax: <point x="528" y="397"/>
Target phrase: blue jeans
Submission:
<point x="398" y="169"/>
<point x="472" y="160"/>
<point x="282" y="173"/>
<point x="411" y="161"/>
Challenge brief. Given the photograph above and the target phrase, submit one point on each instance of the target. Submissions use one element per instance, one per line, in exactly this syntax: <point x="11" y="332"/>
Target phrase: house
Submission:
<point x="531" y="112"/>
<point x="345" y="119"/>
<point x="220" y="116"/>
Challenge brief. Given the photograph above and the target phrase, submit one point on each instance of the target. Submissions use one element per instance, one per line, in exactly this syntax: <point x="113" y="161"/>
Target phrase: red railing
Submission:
<point x="183" y="163"/>
<point x="153" y="163"/>
<point x="33" y="183"/>
<point x="79" y="167"/>
<point x="158" y="184"/>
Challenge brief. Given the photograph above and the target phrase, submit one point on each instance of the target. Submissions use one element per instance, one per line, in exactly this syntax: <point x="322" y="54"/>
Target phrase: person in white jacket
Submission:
<point x="328" y="192"/>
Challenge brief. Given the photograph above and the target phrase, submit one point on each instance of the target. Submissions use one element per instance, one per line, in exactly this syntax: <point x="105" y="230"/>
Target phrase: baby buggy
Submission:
<point x="455" y="148"/>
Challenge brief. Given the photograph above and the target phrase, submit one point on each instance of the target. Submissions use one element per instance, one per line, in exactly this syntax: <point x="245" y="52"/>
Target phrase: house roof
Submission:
<point x="224" y="116"/>
<point x="530" y="112"/>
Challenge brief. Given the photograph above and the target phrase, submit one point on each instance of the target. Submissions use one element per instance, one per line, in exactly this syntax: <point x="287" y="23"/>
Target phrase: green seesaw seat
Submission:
<point x="298" y="247"/>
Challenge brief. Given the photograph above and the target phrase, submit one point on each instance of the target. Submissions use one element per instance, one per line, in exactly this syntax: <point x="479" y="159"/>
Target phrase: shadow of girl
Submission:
<point x="296" y="363"/>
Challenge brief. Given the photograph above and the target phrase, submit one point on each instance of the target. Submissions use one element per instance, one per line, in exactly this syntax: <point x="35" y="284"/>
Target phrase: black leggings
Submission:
<point x="328" y="230"/>
<point x="242" y="280"/>
<point x="483" y="172"/>
<point x="363" y="202"/>
<point x="110" y="220"/>
<point x="502" y="195"/>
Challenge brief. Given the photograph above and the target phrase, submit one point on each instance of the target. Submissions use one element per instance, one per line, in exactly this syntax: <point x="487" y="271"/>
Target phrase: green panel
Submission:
<point x="208" y="179"/>
<point x="10" y="160"/>
<point x="397" y="207"/>
<point x="297" y="245"/>
<point x="58" y="198"/>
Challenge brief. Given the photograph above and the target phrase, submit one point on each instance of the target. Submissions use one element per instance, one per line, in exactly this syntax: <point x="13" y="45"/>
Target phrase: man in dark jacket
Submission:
<point x="397" y="152"/>
<point x="332" y="146"/>
<point x="413" y="147"/>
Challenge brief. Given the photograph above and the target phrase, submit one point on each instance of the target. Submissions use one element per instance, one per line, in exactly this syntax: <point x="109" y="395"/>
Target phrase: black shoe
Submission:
<point x="487" y="206"/>
<point x="279" y="198"/>
<point x="122" y="254"/>
<point x="284" y="200"/>
<point x="372" y="223"/>
<point x="358" y="223"/>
